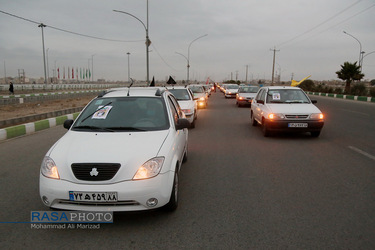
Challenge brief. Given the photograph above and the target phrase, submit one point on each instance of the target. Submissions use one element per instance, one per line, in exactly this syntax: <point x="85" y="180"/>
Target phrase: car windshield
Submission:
<point x="233" y="87"/>
<point x="197" y="89"/>
<point x="180" y="94"/>
<point x="123" y="114"/>
<point x="248" y="89"/>
<point x="287" y="96"/>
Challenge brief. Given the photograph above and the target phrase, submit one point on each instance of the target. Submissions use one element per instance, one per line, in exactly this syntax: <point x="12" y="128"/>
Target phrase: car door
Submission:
<point x="258" y="106"/>
<point x="180" y="136"/>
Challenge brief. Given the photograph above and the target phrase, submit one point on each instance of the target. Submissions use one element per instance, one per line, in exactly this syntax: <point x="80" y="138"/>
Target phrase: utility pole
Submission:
<point x="273" y="66"/>
<point x="44" y="55"/>
<point x="247" y="69"/>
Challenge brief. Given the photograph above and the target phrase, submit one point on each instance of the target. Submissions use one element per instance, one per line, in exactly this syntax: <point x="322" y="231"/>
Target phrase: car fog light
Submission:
<point x="152" y="202"/>
<point x="45" y="200"/>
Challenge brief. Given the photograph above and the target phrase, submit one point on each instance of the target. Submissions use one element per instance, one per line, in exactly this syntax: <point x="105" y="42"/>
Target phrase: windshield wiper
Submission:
<point x="296" y="101"/>
<point x="94" y="128"/>
<point x="84" y="119"/>
<point x="127" y="129"/>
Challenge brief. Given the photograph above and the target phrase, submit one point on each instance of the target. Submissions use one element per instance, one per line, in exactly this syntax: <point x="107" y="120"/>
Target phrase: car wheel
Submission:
<point x="315" y="133"/>
<point x="192" y="125"/>
<point x="253" y="121"/>
<point x="173" y="201"/>
<point x="265" y="131"/>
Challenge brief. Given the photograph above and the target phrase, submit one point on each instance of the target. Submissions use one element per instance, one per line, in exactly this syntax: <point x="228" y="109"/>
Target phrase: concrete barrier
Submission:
<point x="29" y="128"/>
<point x="348" y="97"/>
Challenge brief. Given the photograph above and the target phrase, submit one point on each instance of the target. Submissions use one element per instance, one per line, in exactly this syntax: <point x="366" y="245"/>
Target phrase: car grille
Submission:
<point x="296" y="116"/>
<point x="95" y="171"/>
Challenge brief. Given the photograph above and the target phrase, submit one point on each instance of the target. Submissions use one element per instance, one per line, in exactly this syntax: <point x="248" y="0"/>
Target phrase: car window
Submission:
<point x="232" y="87"/>
<point x="261" y="95"/>
<point x="287" y="96"/>
<point x="197" y="89"/>
<point x="248" y="89"/>
<point x="175" y="108"/>
<point x="181" y="94"/>
<point x="124" y="114"/>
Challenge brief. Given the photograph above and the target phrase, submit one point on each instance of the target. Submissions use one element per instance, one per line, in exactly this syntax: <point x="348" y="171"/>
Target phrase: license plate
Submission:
<point x="297" y="125"/>
<point x="93" y="196"/>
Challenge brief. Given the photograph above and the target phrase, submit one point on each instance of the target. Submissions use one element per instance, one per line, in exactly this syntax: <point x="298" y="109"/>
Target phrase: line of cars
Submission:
<point x="278" y="108"/>
<point x="122" y="153"/>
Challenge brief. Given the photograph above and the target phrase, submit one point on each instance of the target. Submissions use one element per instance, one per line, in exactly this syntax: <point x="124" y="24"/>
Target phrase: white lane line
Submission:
<point x="362" y="152"/>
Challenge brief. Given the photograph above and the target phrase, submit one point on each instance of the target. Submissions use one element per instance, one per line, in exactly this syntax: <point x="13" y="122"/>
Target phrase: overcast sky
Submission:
<point x="307" y="34"/>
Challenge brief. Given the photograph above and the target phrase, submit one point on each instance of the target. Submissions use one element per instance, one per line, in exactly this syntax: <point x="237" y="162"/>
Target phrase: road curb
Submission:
<point x="347" y="97"/>
<point x="32" y="127"/>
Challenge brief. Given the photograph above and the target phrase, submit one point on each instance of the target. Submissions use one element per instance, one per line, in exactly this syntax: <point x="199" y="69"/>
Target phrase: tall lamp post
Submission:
<point x="92" y="66"/>
<point x="187" y="60"/>
<point x="128" y="66"/>
<point x="44" y="53"/>
<point x="188" y="66"/>
<point x="148" y="42"/>
<point x="47" y="67"/>
<point x="360" y="49"/>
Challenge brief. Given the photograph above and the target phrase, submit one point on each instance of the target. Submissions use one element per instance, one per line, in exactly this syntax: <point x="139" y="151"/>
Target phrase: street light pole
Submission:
<point x="148" y="41"/>
<point x="92" y="66"/>
<point x="128" y="66"/>
<point x="187" y="63"/>
<point x="44" y="55"/>
<point x="47" y="67"/>
<point x="360" y="49"/>
<point x="188" y="66"/>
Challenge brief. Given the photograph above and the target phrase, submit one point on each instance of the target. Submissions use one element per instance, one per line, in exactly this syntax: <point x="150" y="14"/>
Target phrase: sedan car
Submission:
<point x="122" y="153"/>
<point x="231" y="90"/>
<point x="286" y="109"/>
<point x="245" y="95"/>
<point x="200" y="95"/>
<point x="185" y="98"/>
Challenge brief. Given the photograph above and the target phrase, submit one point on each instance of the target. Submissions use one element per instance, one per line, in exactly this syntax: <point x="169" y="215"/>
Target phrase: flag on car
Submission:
<point x="152" y="84"/>
<point x="171" y="81"/>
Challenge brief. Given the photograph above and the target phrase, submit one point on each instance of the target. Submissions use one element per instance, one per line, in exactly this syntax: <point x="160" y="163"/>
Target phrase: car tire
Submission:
<point x="315" y="133"/>
<point x="253" y="121"/>
<point x="173" y="201"/>
<point x="265" y="130"/>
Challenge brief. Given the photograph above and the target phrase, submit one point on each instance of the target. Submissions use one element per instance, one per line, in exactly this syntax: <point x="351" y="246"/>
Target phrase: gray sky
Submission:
<point x="308" y="34"/>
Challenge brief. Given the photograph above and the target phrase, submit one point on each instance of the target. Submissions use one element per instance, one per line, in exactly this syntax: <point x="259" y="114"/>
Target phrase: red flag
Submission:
<point x="58" y="73"/>
<point x="207" y="80"/>
<point x="72" y="73"/>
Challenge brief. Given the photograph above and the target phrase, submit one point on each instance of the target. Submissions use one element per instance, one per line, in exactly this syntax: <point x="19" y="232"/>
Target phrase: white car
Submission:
<point x="286" y="109"/>
<point x="122" y="153"/>
<point x="185" y="98"/>
<point x="200" y="95"/>
<point x="245" y="95"/>
<point x="231" y="90"/>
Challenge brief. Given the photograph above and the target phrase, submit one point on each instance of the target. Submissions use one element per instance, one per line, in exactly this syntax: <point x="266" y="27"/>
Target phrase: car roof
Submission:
<point x="281" y="87"/>
<point x="177" y="87"/>
<point x="133" y="91"/>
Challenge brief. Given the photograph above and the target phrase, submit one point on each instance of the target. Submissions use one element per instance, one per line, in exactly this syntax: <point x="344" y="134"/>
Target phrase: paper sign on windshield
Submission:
<point x="102" y="112"/>
<point x="276" y="96"/>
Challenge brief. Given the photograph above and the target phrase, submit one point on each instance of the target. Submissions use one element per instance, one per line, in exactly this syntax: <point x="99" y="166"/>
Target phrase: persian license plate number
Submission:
<point x="297" y="125"/>
<point x="93" y="196"/>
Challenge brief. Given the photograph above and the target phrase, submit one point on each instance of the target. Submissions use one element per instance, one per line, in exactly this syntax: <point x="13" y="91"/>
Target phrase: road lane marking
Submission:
<point x="355" y="112"/>
<point x="362" y="152"/>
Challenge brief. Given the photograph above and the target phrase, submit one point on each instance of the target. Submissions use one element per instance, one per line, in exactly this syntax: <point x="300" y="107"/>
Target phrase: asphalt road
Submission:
<point x="238" y="190"/>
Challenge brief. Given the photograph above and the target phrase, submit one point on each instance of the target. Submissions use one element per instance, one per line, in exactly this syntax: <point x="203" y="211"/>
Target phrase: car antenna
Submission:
<point x="132" y="81"/>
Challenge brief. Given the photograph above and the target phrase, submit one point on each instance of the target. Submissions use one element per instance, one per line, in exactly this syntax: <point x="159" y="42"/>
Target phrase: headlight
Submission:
<point x="202" y="99"/>
<point x="275" y="116"/>
<point x="49" y="168"/>
<point x="317" y="116"/>
<point x="149" y="169"/>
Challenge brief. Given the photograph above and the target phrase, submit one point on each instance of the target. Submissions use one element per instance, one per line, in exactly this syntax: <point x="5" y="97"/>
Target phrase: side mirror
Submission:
<point x="314" y="101"/>
<point x="260" y="101"/>
<point x="182" y="123"/>
<point x="68" y="123"/>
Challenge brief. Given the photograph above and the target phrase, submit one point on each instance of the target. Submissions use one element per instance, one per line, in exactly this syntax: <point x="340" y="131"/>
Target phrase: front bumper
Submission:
<point x="284" y="125"/>
<point x="244" y="101"/>
<point x="132" y="195"/>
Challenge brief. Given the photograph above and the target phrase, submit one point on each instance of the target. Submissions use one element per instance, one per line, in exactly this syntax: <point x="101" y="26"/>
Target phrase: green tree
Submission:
<point x="349" y="72"/>
<point x="307" y="85"/>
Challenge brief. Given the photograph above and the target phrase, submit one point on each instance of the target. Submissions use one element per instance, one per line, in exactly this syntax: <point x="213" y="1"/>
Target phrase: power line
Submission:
<point x="67" y="31"/>
<point x="320" y="24"/>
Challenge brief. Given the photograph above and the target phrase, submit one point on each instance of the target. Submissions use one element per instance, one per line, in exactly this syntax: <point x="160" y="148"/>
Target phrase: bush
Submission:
<point x="358" y="89"/>
<point x="372" y="91"/>
<point x="372" y="82"/>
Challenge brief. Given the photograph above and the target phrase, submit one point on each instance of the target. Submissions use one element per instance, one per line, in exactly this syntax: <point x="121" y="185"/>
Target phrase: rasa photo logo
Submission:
<point x="69" y="219"/>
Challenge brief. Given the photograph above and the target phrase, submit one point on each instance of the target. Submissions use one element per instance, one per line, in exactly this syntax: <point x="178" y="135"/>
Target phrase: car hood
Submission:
<point x="248" y="94"/>
<point x="130" y="149"/>
<point x="186" y="104"/>
<point x="293" y="108"/>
